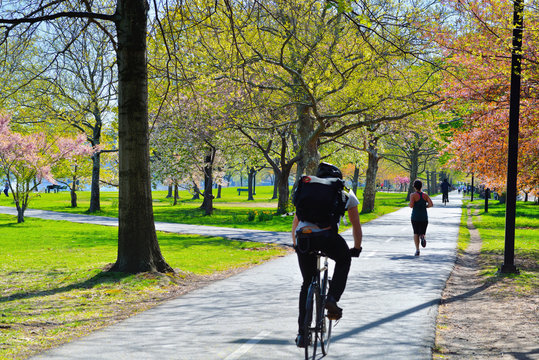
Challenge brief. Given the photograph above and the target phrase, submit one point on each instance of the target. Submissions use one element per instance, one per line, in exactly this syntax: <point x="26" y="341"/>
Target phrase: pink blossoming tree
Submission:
<point x="26" y="160"/>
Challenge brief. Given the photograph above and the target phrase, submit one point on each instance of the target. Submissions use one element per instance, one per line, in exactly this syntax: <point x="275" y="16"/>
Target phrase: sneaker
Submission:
<point x="302" y="341"/>
<point x="417" y="252"/>
<point x="334" y="312"/>
<point x="423" y="241"/>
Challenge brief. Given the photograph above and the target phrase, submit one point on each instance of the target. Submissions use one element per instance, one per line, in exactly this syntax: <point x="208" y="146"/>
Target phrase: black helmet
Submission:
<point x="326" y="170"/>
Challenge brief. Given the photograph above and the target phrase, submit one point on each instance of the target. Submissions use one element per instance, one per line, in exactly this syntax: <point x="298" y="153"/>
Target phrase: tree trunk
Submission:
<point x="138" y="249"/>
<point x="219" y="188"/>
<point x="472" y="190"/>
<point x="73" y="198"/>
<point x="355" y="180"/>
<point x="308" y="142"/>
<point x="20" y="213"/>
<point x="250" y="183"/>
<point x="169" y="193"/>
<point x="207" y="203"/>
<point x="73" y="190"/>
<point x="176" y="195"/>
<point x="284" y="190"/>
<point x="369" y="193"/>
<point x="196" y="190"/>
<point x="275" y="186"/>
<point x="414" y="166"/>
<point x="95" y="197"/>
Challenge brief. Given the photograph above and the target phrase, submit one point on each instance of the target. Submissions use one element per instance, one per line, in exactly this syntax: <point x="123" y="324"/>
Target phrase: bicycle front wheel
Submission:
<point x="325" y="323"/>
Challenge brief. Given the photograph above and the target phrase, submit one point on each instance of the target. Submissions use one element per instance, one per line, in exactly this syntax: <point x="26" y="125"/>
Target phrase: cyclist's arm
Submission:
<point x="353" y="216"/>
<point x="294" y="226"/>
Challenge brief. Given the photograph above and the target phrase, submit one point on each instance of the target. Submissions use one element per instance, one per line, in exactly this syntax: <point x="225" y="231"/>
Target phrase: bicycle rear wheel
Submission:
<point x="309" y="327"/>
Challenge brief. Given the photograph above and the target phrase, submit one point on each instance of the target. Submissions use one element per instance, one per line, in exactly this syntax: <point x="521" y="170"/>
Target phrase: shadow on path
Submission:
<point x="411" y="311"/>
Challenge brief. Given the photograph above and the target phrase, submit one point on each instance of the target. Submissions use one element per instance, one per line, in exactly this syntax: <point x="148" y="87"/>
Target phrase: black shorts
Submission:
<point x="420" y="227"/>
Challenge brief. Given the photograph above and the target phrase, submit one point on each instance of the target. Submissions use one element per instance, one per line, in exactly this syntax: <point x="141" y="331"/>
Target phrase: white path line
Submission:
<point x="388" y="240"/>
<point x="247" y="346"/>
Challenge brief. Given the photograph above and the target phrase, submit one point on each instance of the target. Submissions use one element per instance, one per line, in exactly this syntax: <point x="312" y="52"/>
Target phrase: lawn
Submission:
<point x="491" y="227"/>
<point x="231" y="210"/>
<point x="53" y="288"/>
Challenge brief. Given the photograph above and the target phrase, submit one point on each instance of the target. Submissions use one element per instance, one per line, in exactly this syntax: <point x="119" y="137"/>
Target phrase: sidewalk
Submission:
<point x="390" y="304"/>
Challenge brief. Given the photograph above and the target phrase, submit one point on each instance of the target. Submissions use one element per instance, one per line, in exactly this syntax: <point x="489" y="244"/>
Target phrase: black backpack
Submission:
<point x="319" y="200"/>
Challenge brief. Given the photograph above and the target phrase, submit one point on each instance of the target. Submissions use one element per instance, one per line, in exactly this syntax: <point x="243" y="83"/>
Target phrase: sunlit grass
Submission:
<point x="53" y="287"/>
<point x="491" y="227"/>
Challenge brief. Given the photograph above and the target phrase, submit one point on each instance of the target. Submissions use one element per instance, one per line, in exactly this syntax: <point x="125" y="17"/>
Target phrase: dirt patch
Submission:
<point x="483" y="318"/>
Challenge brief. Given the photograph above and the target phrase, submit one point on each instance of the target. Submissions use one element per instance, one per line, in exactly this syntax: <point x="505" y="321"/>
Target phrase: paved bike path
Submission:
<point x="230" y="233"/>
<point x="390" y="305"/>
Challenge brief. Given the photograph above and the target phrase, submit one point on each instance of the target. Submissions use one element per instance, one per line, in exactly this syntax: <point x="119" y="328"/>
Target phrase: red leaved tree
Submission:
<point x="477" y="47"/>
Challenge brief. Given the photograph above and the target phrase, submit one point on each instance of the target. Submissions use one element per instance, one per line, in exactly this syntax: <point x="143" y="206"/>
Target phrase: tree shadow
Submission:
<point x="525" y="355"/>
<point x="412" y="310"/>
<point x="103" y="277"/>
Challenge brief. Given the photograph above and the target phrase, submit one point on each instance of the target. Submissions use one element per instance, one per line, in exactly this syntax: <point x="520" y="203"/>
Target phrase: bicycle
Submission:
<point x="320" y="331"/>
<point x="445" y="198"/>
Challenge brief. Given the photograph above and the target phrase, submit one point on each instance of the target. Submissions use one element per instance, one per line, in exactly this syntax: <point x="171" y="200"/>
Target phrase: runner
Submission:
<point x="419" y="202"/>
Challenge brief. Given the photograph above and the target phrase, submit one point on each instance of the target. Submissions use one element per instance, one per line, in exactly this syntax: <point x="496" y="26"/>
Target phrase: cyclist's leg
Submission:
<point x="307" y="266"/>
<point x="338" y="250"/>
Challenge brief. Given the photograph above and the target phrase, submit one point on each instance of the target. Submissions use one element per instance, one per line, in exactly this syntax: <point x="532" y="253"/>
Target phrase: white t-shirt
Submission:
<point x="351" y="202"/>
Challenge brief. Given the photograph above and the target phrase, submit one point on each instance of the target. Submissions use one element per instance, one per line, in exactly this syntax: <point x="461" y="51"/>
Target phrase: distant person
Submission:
<point x="445" y="190"/>
<point x="6" y="189"/>
<point x="419" y="202"/>
<point x="320" y="203"/>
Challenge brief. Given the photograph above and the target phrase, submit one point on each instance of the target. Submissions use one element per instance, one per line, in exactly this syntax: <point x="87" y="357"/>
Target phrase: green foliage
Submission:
<point x="259" y="215"/>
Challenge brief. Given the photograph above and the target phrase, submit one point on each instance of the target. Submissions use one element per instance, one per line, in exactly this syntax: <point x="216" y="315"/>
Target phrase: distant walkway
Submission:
<point x="390" y="305"/>
<point x="275" y="237"/>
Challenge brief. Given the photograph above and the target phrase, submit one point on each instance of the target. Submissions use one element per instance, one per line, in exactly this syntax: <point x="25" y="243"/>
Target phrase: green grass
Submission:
<point x="491" y="227"/>
<point x="464" y="234"/>
<point x="230" y="211"/>
<point x="53" y="287"/>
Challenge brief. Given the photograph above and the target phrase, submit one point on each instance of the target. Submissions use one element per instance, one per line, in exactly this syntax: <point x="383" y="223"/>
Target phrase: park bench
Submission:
<point x="240" y="190"/>
<point x="55" y="188"/>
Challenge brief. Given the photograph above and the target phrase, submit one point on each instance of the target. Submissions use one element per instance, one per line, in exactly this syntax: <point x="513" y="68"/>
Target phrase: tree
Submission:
<point x="311" y="59"/>
<point x="74" y="172"/>
<point x="26" y="160"/>
<point x="138" y="249"/>
<point x="412" y="150"/>
<point x="476" y="89"/>
<point x="72" y="82"/>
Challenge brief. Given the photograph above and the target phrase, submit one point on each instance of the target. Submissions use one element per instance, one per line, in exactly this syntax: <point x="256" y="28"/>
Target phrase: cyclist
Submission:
<point x="445" y="190"/>
<point x="323" y="235"/>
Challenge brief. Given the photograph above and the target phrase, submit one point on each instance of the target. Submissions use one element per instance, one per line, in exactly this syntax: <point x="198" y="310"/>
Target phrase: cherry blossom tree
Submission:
<point x="27" y="159"/>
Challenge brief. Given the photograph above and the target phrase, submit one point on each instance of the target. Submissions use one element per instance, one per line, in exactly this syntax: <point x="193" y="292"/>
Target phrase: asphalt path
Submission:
<point x="390" y="304"/>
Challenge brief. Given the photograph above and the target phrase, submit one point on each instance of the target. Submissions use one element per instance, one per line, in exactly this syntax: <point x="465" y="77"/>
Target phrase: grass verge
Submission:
<point x="53" y="287"/>
<point x="491" y="227"/>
